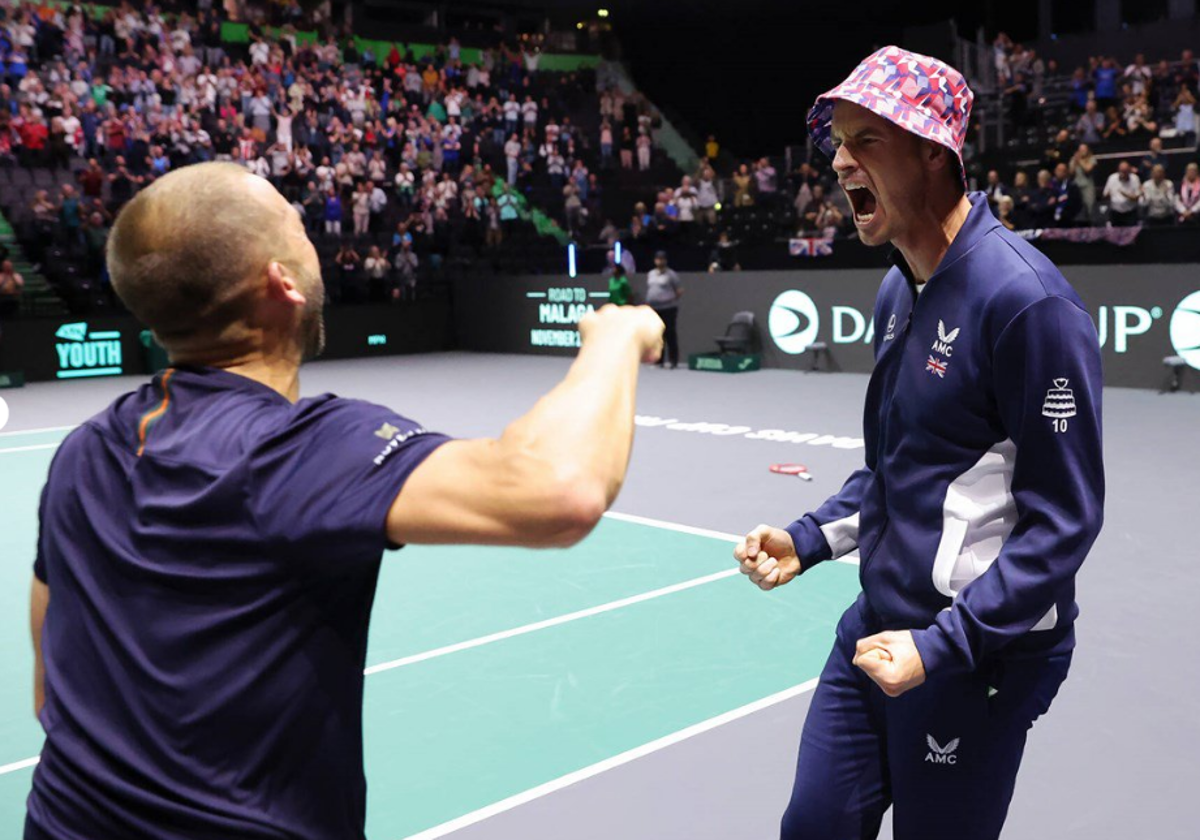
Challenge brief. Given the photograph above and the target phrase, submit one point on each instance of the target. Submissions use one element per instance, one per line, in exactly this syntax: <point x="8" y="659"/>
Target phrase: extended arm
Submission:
<point x="552" y="473"/>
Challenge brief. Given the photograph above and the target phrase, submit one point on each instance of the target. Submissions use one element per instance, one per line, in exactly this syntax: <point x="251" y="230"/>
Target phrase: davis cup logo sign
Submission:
<point x="793" y="322"/>
<point x="1185" y="329"/>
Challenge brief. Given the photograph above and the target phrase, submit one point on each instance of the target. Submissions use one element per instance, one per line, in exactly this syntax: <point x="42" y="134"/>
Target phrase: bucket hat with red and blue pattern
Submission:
<point x="920" y="94"/>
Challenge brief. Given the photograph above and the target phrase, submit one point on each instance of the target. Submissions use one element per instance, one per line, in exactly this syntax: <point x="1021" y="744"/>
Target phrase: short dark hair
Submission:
<point x="183" y="253"/>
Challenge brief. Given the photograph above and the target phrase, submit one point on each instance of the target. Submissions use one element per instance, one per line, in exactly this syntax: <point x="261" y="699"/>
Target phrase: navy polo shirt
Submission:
<point x="212" y="552"/>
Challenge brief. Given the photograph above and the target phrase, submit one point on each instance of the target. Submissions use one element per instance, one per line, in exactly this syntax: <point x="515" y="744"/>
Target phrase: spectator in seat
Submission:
<point x="1089" y="128"/>
<point x="644" y="145"/>
<point x="1016" y="94"/>
<point x="59" y="146"/>
<point x="1158" y="197"/>
<point x="573" y="208"/>
<point x="1059" y="152"/>
<point x="92" y="180"/>
<point x="34" y="138"/>
<point x="71" y="218"/>
<point x="1081" y="90"/>
<point x="1154" y="157"/>
<point x="1042" y="201"/>
<point x="1138" y="75"/>
<point x="821" y="215"/>
<point x="376" y="267"/>
<point x="994" y="189"/>
<point x="314" y="208"/>
<point x="509" y="206"/>
<point x="1163" y="88"/>
<point x="687" y="200"/>
<point x="512" y="158"/>
<point x="1187" y="72"/>
<point x="11" y="286"/>
<point x="404" y="284"/>
<point x="349" y="264"/>
<point x="742" y="187"/>
<point x="122" y="184"/>
<point x="1123" y="190"/>
<point x="95" y="236"/>
<point x="493" y="233"/>
<point x="1004" y="212"/>
<point x="724" y="256"/>
<point x="627" y="261"/>
<point x="712" y="149"/>
<point x="1114" y="125"/>
<point x="1185" y="115"/>
<point x="608" y="234"/>
<point x="627" y="148"/>
<point x="1067" y="200"/>
<point x="1187" y="205"/>
<point x="765" y="178"/>
<point x="1082" y="167"/>
<point x="606" y="145"/>
<point x="333" y="213"/>
<point x="1105" y="78"/>
<point x="1138" y="118"/>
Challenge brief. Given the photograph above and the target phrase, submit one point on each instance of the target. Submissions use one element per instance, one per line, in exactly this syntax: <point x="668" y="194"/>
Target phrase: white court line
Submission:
<point x="35" y="431"/>
<point x="850" y="560"/>
<point x="19" y="765"/>
<point x="550" y="622"/>
<point x="596" y="769"/>
<point x="527" y="628"/>
<point x="672" y="526"/>
<point x="30" y="448"/>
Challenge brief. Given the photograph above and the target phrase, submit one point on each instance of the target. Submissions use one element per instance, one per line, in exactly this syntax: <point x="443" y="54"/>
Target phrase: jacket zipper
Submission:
<point x="887" y="421"/>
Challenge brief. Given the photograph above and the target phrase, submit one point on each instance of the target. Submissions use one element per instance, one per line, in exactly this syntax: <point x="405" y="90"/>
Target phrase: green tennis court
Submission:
<point x="492" y="672"/>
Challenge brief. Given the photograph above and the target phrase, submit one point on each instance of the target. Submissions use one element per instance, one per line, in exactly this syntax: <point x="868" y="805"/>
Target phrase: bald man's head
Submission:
<point x="190" y="257"/>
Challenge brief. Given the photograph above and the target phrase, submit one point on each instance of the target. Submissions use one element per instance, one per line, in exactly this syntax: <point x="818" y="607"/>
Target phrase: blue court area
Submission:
<point x="495" y="673"/>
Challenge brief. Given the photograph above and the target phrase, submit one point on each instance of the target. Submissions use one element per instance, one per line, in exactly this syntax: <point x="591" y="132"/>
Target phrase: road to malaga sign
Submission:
<point x="559" y="311"/>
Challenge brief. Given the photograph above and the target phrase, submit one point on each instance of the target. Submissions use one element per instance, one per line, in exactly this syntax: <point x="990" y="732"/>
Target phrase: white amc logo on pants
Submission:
<point x="941" y="755"/>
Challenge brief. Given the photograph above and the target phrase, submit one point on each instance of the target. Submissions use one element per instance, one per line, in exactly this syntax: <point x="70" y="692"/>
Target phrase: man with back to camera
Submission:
<point x="210" y="544"/>
<point x="981" y="495"/>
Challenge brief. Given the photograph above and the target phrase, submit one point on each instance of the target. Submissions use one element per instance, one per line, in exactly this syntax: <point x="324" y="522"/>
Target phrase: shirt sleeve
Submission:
<point x="831" y="531"/>
<point x="323" y="487"/>
<point x="39" y="562"/>
<point x="1048" y="382"/>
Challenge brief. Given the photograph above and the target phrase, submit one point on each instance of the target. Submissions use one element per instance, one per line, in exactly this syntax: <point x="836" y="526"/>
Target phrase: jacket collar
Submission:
<point x="979" y="222"/>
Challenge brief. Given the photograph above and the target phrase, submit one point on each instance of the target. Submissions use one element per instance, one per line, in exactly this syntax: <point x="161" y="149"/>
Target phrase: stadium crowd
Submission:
<point x="391" y="152"/>
<point x="1112" y="110"/>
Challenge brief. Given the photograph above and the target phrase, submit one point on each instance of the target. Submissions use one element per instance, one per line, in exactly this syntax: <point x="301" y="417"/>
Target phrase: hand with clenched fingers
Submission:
<point x="768" y="556"/>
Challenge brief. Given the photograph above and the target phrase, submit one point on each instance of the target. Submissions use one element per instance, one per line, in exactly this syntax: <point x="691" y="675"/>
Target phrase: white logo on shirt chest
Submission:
<point x="942" y="346"/>
<point x="944" y="340"/>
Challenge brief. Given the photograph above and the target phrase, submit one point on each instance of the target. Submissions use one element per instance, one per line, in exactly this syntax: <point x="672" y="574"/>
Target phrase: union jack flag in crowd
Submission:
<point x="811" y="246"/>
<point x="936" y="366"/>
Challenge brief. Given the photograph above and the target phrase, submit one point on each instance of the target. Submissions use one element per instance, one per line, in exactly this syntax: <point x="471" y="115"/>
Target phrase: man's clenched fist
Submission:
<point x="768" y="556"/>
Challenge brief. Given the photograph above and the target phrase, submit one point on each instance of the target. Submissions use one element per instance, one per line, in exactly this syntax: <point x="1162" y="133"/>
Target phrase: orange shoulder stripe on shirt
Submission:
<point x="154" y="414"/>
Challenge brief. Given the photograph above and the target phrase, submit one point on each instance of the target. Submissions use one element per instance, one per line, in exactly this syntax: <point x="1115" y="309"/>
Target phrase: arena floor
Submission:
<point x="636" y="686"/>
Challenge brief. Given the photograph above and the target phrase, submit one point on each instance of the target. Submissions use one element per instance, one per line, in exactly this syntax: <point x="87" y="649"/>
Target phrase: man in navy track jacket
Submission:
<point x="981" y="494"/>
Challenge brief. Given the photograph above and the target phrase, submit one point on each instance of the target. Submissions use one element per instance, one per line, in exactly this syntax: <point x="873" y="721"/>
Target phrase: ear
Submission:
<point x="935" y="156"/>
<point x="281" y="286"/>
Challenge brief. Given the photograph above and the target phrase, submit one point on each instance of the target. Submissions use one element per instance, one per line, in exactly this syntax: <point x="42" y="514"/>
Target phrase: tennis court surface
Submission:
<point x="636" y="685"/>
